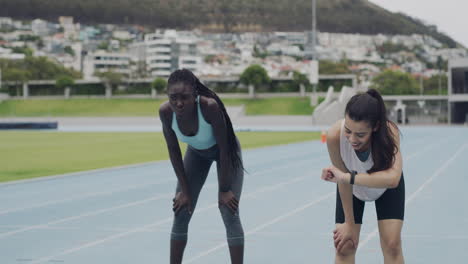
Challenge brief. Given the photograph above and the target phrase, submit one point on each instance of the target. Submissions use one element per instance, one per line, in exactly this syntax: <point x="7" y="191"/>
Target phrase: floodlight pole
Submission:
<point x="313" y="40"/>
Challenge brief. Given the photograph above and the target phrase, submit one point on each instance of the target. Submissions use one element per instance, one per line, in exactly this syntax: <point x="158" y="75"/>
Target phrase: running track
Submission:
<point x="123" y="215"/>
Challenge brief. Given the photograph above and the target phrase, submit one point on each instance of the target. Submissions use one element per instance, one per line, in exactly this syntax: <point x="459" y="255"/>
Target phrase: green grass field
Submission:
<point x="141" y="107"/>
<point x="80" y="107"/>
<point x="274" y="106"/>
<point x="25" y="154"/>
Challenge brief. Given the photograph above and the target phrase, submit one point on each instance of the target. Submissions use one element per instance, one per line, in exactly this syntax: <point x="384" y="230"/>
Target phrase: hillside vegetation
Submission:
<point x="342" y="16"/>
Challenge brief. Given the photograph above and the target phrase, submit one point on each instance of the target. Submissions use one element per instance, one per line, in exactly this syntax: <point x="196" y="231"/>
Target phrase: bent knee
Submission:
<point x="392" y="246"/>
<point x="183" y="217"/>
<point x="349" y="249"/>
<point x="226" y="212"/>
<point x="230" y="218"/>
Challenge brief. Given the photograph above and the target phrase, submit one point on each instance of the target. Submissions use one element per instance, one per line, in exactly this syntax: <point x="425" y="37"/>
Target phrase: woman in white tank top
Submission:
<point x="367" y="167"/>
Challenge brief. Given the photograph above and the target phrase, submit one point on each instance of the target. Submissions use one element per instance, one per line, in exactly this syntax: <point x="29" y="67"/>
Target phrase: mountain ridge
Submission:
<point x="336" y="16"/>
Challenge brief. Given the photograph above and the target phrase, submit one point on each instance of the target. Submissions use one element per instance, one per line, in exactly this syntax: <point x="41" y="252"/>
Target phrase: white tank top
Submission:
<point x="352" y="162"/>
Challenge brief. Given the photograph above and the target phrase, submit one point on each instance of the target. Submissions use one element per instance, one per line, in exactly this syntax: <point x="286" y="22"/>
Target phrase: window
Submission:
<point x="460" y="81"/>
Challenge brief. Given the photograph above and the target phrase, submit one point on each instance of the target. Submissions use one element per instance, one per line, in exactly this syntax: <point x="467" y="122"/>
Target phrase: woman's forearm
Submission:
<point x="177" y="164"/>
<point x="224" y="177"/>
<point x="381" y="179"/>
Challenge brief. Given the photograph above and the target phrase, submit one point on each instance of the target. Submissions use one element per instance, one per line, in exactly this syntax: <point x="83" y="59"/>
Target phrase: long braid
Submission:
<point x="186" y="76"/>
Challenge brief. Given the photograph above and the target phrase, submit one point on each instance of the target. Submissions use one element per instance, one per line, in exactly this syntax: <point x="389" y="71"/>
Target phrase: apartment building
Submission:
<point x="102" y="61"/>
<point x="167" y="51"/>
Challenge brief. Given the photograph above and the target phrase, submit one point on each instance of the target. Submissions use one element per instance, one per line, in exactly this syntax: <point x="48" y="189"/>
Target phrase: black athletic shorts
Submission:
<point x="391" y="205"/>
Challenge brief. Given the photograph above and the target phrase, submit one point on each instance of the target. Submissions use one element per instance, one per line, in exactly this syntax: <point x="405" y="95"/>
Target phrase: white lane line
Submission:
<point x="163" y="221"/>
<point x="424" y="150"/>
<point x="275" y="168"/>
<point x="418" y="191"/>
<point x="374" y="232"/>
<point x="96" y="194"/>
<point x="86" y="196"/>
<point x="167" y="220"/>
<point x="97" y="212"/>
<point x="438" y="237"/>
<point x="264" y="225"/>
<point x="131" y="166"/>
<point x="284" y="155"/>
<point x="78" y="228"/>
<point x="81" y="173"/>
<point x="150" y="226"/>
<point x="162" y="196"/>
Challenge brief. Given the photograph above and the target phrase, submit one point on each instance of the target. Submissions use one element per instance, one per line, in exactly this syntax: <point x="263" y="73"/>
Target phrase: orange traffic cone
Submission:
<point x="323" y="137"/>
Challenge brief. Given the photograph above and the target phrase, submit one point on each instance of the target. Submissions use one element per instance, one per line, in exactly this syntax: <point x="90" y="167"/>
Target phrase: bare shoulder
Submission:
<point x="394" y="130"/>
<point x="209" y="108"/>
<point x="333" y="134"/>
<point x="208" y="103"/>
<point x="165" y="111"/>
<point x="393" y="127"/>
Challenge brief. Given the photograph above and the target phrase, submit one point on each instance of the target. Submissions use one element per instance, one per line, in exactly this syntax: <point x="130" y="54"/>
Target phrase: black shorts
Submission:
<point x="391" y="205"/>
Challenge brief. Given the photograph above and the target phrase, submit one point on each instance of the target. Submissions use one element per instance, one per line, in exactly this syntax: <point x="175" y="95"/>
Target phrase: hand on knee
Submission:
<point x="226" y="212"/>
<point x="349" y="249"/>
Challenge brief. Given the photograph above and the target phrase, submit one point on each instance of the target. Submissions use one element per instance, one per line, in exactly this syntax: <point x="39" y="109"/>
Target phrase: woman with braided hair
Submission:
<point x="195" y="115"/>
<point x="364" y="149"/>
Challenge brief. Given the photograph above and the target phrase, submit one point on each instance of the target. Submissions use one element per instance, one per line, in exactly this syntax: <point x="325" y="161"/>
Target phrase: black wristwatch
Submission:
<point x="353" y="175"/>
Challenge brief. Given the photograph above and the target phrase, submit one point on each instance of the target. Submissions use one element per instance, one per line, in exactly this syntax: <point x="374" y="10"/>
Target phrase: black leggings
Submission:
<point x="197" y="164"/>
<point x="391" y="205"/>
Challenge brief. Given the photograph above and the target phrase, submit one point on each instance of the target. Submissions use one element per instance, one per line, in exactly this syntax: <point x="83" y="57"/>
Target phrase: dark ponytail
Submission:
<point x="187" y="77"/>
<point x="370" y="107"/>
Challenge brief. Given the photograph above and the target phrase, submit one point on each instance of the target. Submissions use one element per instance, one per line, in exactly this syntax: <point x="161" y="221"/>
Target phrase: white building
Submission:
<point x="413" y="67"/>
<point x="458" y="90"/>
<point x="292" y="38"/>
<point x="159" y="55"/>
<point x="123" y="35"/>
<point x="284" y="49"/>
<point x="450" y="54"/>
<point x="101" y="61"/>
<point x="6" y="21"/>
<point x="190" y="62"/>
<point x="9" y="55"/>
<point x="73" y="62"/>
<point x="137" y="51"/>
<point x="167" y="51"/>
<point x="70" y="30"/>
<point x="40" y="27"/>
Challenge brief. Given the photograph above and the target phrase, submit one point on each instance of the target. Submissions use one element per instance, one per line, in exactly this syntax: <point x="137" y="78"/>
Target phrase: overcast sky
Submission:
<point x="450" y="16"/>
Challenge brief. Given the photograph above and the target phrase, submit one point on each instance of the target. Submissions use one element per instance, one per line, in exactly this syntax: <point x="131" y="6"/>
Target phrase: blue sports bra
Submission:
<point x="204" y="138"/>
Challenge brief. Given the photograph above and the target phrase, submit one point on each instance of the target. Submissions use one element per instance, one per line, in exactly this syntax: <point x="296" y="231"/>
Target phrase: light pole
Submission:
<point x="314" y="27"/>
<point x="421" y="85"/>
<point x="439" y="62"/>
<point x="313" y="40"/>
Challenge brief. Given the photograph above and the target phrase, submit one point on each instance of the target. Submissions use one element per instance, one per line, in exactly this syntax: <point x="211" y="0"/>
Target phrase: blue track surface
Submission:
<point x="123" y="215"/>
